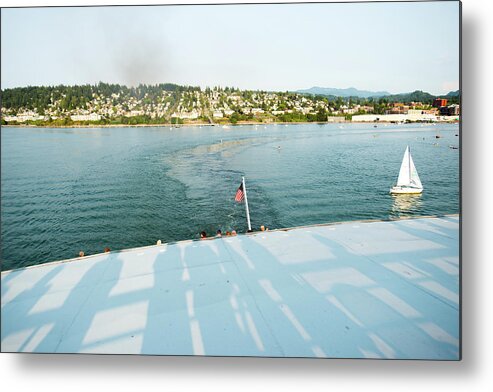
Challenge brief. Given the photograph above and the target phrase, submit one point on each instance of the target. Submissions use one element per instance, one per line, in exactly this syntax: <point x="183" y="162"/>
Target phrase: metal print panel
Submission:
<point x="267" y="180"/>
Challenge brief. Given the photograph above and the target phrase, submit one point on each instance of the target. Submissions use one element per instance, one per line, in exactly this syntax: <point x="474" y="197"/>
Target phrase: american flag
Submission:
<point x="240" y="194"/>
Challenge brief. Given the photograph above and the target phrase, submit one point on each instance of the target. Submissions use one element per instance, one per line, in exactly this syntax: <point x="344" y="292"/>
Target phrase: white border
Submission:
<point x="125" y="373"/>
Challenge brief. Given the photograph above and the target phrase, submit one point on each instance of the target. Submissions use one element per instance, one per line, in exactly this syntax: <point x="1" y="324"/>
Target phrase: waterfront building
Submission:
<point x="439" y="102"/>
<point x="398" y="108"/>
<point x="452" y="110"/>
<point x="336" y="119"/>
<point x="86" y="117"/>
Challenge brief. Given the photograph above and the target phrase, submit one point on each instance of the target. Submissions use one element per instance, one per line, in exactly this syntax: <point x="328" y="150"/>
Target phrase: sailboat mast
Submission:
<point x="409" y="163"/>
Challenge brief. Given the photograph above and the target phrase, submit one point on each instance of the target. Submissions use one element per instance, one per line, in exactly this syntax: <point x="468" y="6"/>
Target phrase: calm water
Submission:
<point x="66" y="190"/>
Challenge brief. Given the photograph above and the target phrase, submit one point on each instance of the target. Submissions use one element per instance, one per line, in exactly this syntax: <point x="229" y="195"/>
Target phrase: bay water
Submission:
<point x="72" y="189"/>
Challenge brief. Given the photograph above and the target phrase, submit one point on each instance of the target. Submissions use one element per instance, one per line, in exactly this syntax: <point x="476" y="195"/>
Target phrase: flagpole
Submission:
<point x="246" y="205"/>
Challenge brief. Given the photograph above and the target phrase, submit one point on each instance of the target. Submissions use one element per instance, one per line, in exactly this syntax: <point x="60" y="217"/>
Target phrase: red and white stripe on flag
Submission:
<point x="239" y="194"/>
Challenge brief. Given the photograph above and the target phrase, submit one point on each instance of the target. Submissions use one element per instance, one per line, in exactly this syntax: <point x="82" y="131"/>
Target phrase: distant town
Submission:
<point x="169" y="104"/>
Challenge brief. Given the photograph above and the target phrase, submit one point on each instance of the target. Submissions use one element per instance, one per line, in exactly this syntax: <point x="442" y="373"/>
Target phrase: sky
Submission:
<point x="394" y="47"/>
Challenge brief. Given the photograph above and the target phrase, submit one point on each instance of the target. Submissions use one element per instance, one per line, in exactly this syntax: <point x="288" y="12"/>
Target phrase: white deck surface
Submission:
<point x="351" y="290"/>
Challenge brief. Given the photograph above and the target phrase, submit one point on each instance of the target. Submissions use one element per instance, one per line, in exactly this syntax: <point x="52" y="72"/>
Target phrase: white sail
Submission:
<point x="404" y="174"/>
<point x="415" y="181"/>
<point x="408" y="175"/>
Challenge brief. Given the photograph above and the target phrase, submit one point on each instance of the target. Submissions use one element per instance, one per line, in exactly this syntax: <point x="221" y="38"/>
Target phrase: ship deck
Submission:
<point x="350" y="290"/>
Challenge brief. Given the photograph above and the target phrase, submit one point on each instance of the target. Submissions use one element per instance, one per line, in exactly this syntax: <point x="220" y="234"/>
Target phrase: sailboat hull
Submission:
<point x="396" y="190"/>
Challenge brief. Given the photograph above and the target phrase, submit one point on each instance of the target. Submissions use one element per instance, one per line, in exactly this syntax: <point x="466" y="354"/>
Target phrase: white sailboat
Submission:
<point x="408" y="181"/>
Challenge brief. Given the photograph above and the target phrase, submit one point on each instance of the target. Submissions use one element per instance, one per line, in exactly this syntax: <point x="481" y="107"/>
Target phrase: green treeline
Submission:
<point x="167" y="103"/>
<point x="72" y="97"/>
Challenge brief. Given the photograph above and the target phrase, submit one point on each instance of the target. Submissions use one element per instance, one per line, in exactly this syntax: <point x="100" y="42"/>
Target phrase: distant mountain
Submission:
<point x="415" y="96"/>
<point x="343" y="92"/>
<point x="453" y="93"/>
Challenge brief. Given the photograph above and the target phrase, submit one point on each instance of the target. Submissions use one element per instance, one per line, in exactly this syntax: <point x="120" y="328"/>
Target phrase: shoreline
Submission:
<point x="219" y="124"/>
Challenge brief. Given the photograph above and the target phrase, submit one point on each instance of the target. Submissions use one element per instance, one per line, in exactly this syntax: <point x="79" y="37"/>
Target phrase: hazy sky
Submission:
<point x="397" y="47"/>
